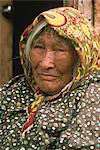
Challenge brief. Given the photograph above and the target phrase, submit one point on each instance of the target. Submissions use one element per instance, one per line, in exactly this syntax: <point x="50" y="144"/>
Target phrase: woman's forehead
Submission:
<point x="51" y="33"/>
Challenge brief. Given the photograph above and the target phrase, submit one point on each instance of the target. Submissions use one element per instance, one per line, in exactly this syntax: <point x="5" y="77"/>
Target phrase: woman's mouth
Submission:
<point x="48" y="77"/>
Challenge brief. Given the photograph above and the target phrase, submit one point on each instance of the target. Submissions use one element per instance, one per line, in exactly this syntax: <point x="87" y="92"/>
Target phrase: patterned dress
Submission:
<point x="70" y="122"/>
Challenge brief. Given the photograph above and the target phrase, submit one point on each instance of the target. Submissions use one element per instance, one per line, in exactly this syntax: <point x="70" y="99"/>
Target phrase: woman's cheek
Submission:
<point x="35" y="59"/>
<point x="64" y="62"/>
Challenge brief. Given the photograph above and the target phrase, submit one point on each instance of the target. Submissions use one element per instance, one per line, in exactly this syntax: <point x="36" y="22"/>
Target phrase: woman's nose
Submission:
<point x="48" y="60"/>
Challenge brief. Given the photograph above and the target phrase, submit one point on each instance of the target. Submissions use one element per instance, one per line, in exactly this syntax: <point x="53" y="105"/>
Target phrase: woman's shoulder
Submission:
<point x="17" y="89"/>
<point x="87" y="92"/>
<point x="85" y="122"/>
<point x="17" y="83"/>
<point x="92" y="82"/>
<point x="17" y="80"/>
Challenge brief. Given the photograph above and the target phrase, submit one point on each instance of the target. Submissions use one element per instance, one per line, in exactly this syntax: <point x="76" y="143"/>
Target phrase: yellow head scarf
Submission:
<point x="70" y="23"/>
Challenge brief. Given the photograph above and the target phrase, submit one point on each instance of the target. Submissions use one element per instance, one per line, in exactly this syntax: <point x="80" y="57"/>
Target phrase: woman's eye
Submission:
<point x="38" y="46"/>
<point x="60" y="50"/>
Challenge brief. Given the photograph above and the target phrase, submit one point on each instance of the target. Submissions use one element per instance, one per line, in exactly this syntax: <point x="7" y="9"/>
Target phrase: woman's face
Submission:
<point x="52" y="62"/>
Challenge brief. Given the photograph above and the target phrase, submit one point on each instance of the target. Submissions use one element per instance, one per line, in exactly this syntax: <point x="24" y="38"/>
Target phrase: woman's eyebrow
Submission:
<point x="61" y="42"/>
<point x="38" y="40"/>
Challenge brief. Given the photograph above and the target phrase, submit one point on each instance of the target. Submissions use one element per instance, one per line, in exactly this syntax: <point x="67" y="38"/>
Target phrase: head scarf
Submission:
<point x="68" y="23"/>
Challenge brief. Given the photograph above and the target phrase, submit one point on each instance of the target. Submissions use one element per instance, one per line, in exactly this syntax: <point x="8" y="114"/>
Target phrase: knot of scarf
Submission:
<point x="32" y="110"/>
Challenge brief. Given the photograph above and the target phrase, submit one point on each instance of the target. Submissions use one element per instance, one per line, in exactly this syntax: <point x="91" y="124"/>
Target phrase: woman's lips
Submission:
<point x="48" y="77"/>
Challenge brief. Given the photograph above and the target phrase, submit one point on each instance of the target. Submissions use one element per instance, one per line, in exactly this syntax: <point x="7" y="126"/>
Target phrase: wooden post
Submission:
<point x="5" y="46"/>
<point x="70" y="3"/>
<point x="97" y="16"/>
<point x="86" y="7"/>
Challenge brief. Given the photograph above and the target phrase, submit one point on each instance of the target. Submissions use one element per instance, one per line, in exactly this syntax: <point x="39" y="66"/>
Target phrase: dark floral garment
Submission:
<point x="68" y="123"/>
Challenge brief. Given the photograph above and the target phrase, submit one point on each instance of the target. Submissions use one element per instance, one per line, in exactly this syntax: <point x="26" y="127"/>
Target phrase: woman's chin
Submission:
<point x="50" y="89"/>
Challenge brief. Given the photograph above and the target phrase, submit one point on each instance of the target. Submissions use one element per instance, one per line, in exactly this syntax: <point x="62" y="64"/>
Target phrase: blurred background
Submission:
<point x="16" y="15"/>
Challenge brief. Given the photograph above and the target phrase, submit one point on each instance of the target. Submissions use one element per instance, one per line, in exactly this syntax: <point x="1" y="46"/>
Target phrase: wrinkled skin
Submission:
<point x="52" y="62"/>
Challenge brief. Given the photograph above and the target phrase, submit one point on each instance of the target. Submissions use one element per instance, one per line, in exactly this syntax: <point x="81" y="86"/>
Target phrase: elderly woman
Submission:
<point x="54" y="105"/>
